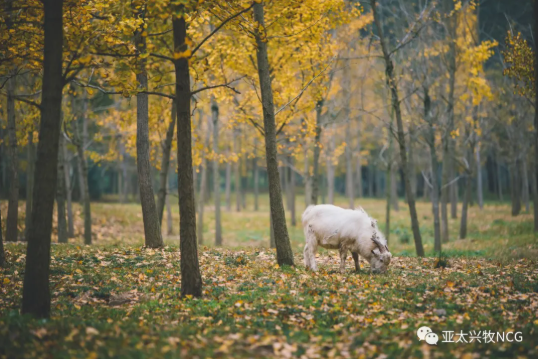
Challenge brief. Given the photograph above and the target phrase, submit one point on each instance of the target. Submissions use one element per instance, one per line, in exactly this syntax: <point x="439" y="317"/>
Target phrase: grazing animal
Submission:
<point x="333" y="227"/>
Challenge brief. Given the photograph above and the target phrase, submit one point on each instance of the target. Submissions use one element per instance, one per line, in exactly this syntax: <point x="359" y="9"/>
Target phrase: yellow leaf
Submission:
<point x="6" y="281"/>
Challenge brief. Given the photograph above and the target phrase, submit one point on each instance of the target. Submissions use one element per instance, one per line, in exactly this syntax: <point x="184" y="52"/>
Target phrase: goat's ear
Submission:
<point x="376" y="252"/>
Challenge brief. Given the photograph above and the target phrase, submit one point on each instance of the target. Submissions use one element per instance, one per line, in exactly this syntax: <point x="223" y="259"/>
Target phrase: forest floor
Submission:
<point x="116" y="299"/>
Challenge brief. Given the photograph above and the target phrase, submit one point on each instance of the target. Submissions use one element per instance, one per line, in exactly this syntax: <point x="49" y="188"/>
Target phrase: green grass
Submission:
<point x="251" y="308"/>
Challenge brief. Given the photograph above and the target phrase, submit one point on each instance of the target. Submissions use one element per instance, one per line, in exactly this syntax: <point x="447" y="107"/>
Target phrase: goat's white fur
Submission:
<point x="333" y="227"/>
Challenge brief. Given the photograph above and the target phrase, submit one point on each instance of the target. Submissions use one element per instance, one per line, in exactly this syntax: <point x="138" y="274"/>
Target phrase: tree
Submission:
<point x="36" y="291"/>
<point x="216" y="178"/>
<point x="191" y="279"/>
<point x="392" y="83"/>
<point x="152" y="224"/>
<point x="282" y="241"/>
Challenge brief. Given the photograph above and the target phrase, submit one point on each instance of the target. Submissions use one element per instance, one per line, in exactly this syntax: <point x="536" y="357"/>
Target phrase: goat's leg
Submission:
<point x="343" y="255"/>
<point x="310" y="249"/>
<point x="356" y="260"/>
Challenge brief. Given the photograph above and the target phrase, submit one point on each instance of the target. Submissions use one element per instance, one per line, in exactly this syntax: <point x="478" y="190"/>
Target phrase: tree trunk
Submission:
<point x="60" y="194"/>
<point x="412" y="170"/>
<point x="216" y="178"/>
<point x="124" y="174"/>
<point x="535" y="36"/>
<point x="282" y="241"/>
<point x="150" y="216"/>
<point x="12" y="229"/>
<point x="85" y="192"/>
<point x="2" y="253"/>
<point x="392" y="83"/>
<point x="256" y="175"/>
<point x="394" y="188"/>
<point x="203" y="184"/>
<point x="314" y="180"/>
<point x="525" y="185"/>
<point x="191" y="279"/>
<point x="237" y="179"/>
<point x="291" y="187"/>
<point x="465" y="205"/>
<point x="350" y="190"/>
<point x="515" y="183"/>
<point x="499" y="181"/>
<point x="272" y="243"/>
<point x="371" y="178"/>
<point x="68" y="192"/>
<point x="480" y="194"/>
<point x="169" y="226"/>
<point x="228" y="186"/>
<point x="165" y="165"/>
<point x="453" y="191"/>
<point x="434" y="166"/>
<point x="330" y="180"/>
<point x="359" y="161"/>
<point x="30" y="173"/>
<point x="36" y="291"/>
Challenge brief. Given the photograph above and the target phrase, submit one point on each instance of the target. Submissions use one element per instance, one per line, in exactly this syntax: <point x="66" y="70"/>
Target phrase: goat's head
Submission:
<point x="381" y="255"/>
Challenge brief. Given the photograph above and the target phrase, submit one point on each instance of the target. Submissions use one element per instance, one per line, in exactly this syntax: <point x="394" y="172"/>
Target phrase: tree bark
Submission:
<point x="60" y="194"/>
<point x="68" y="192"/>
<point x="282" y="241"/>
<point x="191" y="279"/>
<point x="394" y="188"/>
<point x="2" y="252"/>
<point x="216" y="177"/>
<point x="30" y="172"/>
<point x="169" y="225"/>
<point x="453" y="191"/>
<point x="480" y="194"/>
<point x="228" y="186"/>
<point x="256" y="175"/>
<point x="291" y="187"/>
<point x="359" y="160"/>
<point x="36" y="291"/>
<point x="84" y="188"/>
<point x="434" y="165"/>
<point x="535" y="36"/>
<point x="330" y="170"/>
<point x="515" y="183"/>
<point x="165" y="164"/>
<point x="393" y="85"/>
<point x="12" y="229"/>
<point x="203" y="184"/>
<point x="465" y="205"/>
<point x="314" y="180"/>
<point x="525" y="185"/>
<point x="237" y="186"/>
<point x="150" y="216"/>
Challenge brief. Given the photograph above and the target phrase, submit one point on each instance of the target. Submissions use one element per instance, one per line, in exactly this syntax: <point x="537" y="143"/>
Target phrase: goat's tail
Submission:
<point x="306" y="214"/>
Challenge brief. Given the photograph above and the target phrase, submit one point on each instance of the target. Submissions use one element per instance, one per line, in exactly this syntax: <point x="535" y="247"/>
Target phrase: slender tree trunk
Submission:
<point x="479" y="178"/>
<point x="169" y="224"/>
<point x="124" y="174"/>
<point x="394" y="188"/>
<point x="453" y="191"/>
<point x="237" y="179"/>
<point x="525" y="185"/>
<point x="36" y="291"/>
<point x="191" y="279"/>
<point x="371" y="179"/>
<point x="359" y="161"/>
<point x="272" y="243"/>
<point x="434" y="166"/>
<point x="291" y="187"/>
<point x="228" y="186"/>
<point x="150" y="216"/>
<point x="30" y="173"/>
<point x="391" y="80"/>
<point x="282" y="241"/>
<point x="85" y="192"/>
<point x="465" y="205"/>
<point x="535" y="36"/>
<point x="314" y="180"/>
<point x="390" y="178"/>
<point x="350" y="190"/>
<point x="165" y="164"/>
<point x="2" y="252"/>
<point x="515" y="183"/>
<point x="256" y="175"/>
<point x="412" y="170"/>
<point x="216" y="178"/>
<point x="330" y="180"/>
<point x="203" y="185"/>
<point x="500" y="182"/>
<point x="306" y="180"/>
<point x="60" y="195"/>
<point x="68" y="192"/>
<point x="12" y="229"/>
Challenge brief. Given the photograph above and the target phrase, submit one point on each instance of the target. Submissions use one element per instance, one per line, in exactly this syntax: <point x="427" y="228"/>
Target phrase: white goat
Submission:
<point x="333" y="227"/>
